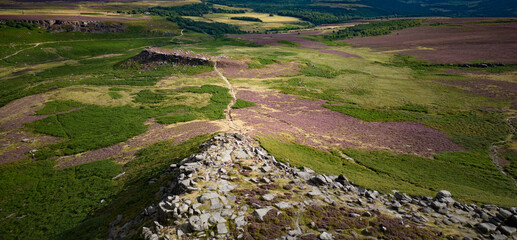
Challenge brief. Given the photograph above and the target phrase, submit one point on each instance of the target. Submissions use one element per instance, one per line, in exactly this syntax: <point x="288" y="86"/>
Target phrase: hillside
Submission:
<point x="322" y="11"/>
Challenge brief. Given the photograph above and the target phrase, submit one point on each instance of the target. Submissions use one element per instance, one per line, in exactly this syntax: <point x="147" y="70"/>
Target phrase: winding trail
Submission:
<point x="494" y="151"/>
<point x="234" y="98"/>
<point x="84" y="40"/>
<point x="79" y="40"/>
<point x="21" y="50"/>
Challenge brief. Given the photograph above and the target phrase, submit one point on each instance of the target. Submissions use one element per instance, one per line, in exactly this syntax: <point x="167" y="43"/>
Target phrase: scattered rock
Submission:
<point x="326" y="236"/>
<point x="215" y="204"/>
<point x="217" y="218"/>
<point x="221" y="228"/>
<point x="260" y="213"/>
<point x="240" y="221"/>
<point x="486" y="227"/>
<point x="321" y="180"/>
<point x="443" y="194"/>
<point x="188" y="211"/>
<point x="315" y="192"/>
<point x="506" y="230"/>
<point x="196" y="224"/>
<point x="268" y="197"/>
<point x="283" y="205"/>
<point x="402" y="196"/>
<point x="504" y="214"/>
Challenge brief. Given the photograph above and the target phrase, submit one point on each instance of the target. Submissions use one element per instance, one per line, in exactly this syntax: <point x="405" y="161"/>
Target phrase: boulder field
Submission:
<point x="232" y="189"/>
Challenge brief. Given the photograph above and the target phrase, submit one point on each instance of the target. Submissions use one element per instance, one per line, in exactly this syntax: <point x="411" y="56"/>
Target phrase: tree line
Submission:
<point x="196" y="9"/>
<point x="305" y="10"/>
<point x="374" y="28"/>
<point x="211" y="28"/>
<point x="249" y="19"/>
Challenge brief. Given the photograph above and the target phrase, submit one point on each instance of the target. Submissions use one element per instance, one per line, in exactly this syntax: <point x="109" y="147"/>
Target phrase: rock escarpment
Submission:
<point x="157" y="56"/>
<point x="77" y="26"/>
<point x="232" y="189"/>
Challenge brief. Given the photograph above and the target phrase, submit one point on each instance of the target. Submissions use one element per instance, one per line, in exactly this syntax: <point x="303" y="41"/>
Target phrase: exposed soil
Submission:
<point x="125" y="151"/>
<point x="307" y="122"/>
<point x="463" y="43"/>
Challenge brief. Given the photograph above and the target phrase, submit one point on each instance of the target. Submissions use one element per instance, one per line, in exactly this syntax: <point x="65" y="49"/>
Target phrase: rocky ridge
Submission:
<point x="232" y="189"/>
<point x="77" y="26"/>
<point x="152" y="57"/>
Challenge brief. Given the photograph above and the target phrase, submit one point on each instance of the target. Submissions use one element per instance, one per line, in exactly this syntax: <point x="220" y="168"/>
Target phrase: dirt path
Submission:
<point x="81" y="40"/>
<point x="234" y="98"/>
<point x="494" y="150"/>
<point x="21" y="50"/>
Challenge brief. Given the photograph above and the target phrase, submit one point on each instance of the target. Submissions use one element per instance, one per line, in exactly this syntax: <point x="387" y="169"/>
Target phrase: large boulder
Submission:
<point x="321" y="180"/>
<point x="486" y="227"/>
<point x="260" y="213"/>
<point x="443" y="194"/>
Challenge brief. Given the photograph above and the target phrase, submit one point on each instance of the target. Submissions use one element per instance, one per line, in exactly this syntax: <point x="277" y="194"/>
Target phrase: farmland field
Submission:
<point x="268" y="22"/>
<point x="418" y="110"/>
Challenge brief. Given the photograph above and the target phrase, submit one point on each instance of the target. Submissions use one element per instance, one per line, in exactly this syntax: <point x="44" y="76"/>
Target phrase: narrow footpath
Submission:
<point x="494" y="150"/>
<point x="78" y="40"/>
<point x="228" y="111"/>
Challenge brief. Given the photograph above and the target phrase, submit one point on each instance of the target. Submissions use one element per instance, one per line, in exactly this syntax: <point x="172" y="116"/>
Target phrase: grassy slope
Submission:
<point x="46" y="201"/>
<point x="467" y="176"/>
<point x="66" y="204"/>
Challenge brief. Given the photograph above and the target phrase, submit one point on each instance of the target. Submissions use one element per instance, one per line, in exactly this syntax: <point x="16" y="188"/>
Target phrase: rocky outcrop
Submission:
<point x="232" y="189"/>
<point x="77" y="26"/>
<point x="152" y="57"/>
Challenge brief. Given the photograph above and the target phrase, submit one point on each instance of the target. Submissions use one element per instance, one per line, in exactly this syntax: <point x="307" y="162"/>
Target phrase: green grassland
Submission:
<point x="66" y="204"/>
<point x="94" y="127"/>
<point x="470" y="177"/>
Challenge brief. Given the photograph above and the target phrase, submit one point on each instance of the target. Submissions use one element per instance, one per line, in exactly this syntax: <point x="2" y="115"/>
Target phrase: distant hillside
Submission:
<point x="330" y="11"/>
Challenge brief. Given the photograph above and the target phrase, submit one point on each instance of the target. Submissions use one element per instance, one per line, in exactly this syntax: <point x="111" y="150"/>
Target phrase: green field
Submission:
<point x="267" y="22"/>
